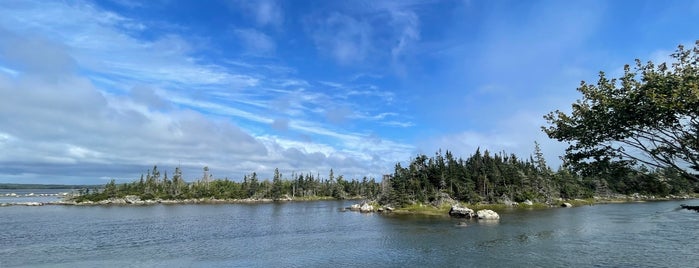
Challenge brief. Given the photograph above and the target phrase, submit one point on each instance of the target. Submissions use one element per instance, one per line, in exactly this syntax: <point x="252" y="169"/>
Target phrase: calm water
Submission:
<point x="317" y="234"/>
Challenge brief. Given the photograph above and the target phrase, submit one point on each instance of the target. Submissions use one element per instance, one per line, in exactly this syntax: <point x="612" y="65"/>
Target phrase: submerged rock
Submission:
<point x="487" y="214"/>
<point x="461" y="212"/>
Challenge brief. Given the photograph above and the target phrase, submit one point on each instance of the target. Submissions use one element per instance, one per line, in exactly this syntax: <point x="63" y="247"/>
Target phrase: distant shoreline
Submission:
<point x="416" y="209"/>
<point x="134" y="201"/>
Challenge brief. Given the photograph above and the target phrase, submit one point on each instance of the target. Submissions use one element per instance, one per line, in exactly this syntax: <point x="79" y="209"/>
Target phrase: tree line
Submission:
<point x="499" y="177"/>
<point x="482" y="177"/>
<point x="154" y="185"/>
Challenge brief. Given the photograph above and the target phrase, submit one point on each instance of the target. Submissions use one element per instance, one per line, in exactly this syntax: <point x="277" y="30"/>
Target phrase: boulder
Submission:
<point x="461" y="212"/>
<point x="528" y="202"/>
<point x="355" y="207"/>
<point x="117" y="201"/>
<point x="567" y="205"/>
<point x="366" y="208"/>
<point x="441" y="199"/>
<point x="487" y="214"/>
<point x="132" y="199"/>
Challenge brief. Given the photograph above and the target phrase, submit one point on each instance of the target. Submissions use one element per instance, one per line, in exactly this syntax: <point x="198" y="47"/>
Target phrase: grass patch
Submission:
<point x="424" y="209"/>
<point x="312" y="198"/>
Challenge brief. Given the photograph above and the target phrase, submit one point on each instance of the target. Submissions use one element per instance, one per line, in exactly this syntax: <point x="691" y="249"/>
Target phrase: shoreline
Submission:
<point x="414" y="209"/>
<point x="431" y="210"/>
<point x="135" y="201"/>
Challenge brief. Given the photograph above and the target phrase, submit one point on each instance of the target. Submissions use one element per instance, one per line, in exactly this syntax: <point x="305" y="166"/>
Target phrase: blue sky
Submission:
<point x="91" y="91"/>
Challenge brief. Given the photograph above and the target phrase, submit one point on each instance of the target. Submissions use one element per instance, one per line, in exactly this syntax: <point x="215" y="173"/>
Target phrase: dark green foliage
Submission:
<point x="493" y="178"/>
<point x="648" y="116"/>
<point x="483" y="177"/>
<point x="151" y="186"/>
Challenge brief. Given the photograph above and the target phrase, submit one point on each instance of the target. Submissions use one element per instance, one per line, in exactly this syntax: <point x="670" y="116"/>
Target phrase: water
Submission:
<point x="317" y="234"/>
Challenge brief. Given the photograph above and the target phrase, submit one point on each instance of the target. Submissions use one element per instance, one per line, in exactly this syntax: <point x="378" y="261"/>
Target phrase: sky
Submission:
<point x="98" y="90"/>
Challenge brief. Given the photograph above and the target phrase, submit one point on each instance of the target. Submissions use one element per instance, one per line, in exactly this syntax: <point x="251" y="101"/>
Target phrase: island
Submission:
<point x="437" y="185"/>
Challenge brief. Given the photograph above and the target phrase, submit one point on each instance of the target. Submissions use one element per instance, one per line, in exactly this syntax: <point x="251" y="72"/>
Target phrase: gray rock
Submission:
<point x="461" y="212"/>
<point x="443" y="198"/>
<point x="132" y="199"/>
<point x="528" y="202"/>
<point x="366" y="208"/>
<point x="567" y="205"/>
<point x="487" y="214"/>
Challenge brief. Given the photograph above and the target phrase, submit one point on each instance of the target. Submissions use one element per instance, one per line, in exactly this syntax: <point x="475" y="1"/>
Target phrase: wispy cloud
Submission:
<point x="256" y="42"/>
<point x="345" y="39"/>
<point x="162" y="102"/>
<point x="264" y="12"/>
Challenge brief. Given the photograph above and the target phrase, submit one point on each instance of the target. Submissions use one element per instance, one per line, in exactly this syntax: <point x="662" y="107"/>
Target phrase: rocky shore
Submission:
<point x="35" y="195"/>
<point x="366" y="207"/>
<point x="455" y="210"/>
<point x="135" y="200"/>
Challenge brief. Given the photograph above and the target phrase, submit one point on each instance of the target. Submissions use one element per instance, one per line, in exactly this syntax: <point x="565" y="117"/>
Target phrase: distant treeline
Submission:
<point x="482" y="177"/>
<point x="494" y="178"/>
<point x="155" y="185"/>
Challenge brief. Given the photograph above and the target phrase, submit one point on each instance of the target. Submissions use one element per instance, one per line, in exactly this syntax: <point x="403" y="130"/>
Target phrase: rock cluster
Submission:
<point x="33" y="195"/>
<point x="29" y="204"/>
<point x="367" y="208"/>
<point x="364" y="207"/>
<point x="458" y="211"/>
